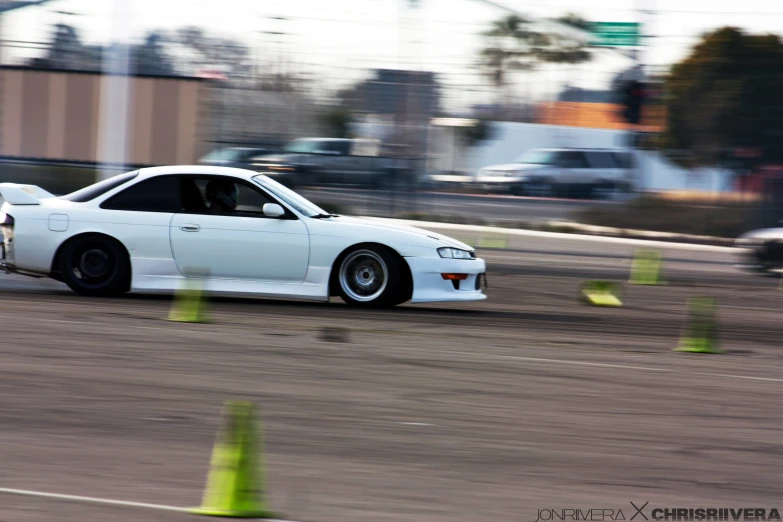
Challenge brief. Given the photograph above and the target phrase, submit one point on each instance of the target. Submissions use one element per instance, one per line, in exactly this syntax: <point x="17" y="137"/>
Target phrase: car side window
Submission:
<point x="249" y="200"/>
<point x="343" y="148"/>
<point x="600" y="160"/>
<point x="158" y="194"/>
<point x="623" y="160"/>
<point x="572" y="160"/>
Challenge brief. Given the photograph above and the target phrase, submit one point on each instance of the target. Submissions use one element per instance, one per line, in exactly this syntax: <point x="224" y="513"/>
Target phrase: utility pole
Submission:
<point x="115" y="121"/>
<point x="643" y="13"/>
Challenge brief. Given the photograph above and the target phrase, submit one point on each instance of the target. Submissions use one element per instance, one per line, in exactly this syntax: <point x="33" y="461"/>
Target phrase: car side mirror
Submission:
<point x="273" y="210"/>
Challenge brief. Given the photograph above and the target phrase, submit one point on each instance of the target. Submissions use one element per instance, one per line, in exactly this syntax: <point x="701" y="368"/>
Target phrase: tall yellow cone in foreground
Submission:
<point x="646" y="268"/>
<point x="189" y="304"/>
<point x="701" y="330"/>
<point x="235" y="485"/>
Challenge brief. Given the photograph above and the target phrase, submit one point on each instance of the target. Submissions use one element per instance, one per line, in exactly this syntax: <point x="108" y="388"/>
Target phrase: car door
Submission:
<point x="242" y="244"/>
<point x="602" y="167"/>
<point x="575" y="170"/>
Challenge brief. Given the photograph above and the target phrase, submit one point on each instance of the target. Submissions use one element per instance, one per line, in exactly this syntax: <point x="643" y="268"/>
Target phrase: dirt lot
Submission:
<point x="479" y="412"/>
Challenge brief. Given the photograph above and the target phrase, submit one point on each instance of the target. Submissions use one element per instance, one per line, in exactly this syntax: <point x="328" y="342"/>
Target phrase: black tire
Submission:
<point x="369" y="276"/>
<point x="603" y="190"/>
<point x="95" y="265"/>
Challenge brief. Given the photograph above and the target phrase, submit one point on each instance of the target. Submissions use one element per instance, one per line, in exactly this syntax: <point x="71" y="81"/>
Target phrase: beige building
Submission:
<point x="55" y="115"/>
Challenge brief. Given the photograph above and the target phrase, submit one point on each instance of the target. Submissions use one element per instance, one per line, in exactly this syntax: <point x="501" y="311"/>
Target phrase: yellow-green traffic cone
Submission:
<point x="235" y="485"/>
<point x="646" y="268"/>
<point x="601" y="293"/>
<point x="701" y="333"/>
<point x="189" y="304"/>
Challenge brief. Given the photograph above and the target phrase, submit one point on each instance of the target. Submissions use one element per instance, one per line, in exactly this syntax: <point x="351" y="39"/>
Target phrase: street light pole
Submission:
<point x="113" y="135"/>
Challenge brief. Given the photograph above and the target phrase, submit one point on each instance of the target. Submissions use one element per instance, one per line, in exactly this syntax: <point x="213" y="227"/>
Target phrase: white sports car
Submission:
<point x="143" y="231"/>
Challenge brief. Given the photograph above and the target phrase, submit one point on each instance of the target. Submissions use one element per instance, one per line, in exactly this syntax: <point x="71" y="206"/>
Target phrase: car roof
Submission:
<point x="149" y="172"/>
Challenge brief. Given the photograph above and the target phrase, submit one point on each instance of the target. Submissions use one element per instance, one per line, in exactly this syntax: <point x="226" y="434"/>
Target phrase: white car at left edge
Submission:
<point x="143" y="231"/>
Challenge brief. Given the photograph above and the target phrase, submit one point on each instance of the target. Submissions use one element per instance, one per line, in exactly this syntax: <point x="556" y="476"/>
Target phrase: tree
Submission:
<point x="67" y="51"/>
<point x="574" y="20"/>
<point x="514" y="44"/>
<point x="208" y="52"/>
<point x="336" y="123"/>
<point x="151" y="57"/>
<point x="725" y="95"/>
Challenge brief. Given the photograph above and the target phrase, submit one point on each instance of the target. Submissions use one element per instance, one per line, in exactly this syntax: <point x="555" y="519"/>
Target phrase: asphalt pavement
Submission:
<point x="454" y="412"/>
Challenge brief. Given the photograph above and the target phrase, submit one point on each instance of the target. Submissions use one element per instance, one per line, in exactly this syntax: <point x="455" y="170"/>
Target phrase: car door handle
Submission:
<point x="189" y="228"/>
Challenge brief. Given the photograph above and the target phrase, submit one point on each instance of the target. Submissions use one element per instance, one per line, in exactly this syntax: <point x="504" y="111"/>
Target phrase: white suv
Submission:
<point x="550" y="172"/>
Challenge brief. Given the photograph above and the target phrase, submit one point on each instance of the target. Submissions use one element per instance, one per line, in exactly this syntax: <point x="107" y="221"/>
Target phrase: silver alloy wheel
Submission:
<point x="363" y="275"/>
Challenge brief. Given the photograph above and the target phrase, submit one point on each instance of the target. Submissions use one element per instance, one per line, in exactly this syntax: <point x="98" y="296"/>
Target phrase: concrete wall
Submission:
<point x="55" y="115"/>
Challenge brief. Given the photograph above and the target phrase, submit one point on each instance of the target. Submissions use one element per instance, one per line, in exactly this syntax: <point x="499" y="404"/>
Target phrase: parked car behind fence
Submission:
<point x="326" y="161"/>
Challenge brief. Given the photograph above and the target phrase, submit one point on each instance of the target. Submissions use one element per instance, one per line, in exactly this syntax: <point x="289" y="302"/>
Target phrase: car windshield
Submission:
<point x="537" y="157"/>
<point x="220" y="155"/>
<point x="291" y="198"/>
<point x="301" y="146"/>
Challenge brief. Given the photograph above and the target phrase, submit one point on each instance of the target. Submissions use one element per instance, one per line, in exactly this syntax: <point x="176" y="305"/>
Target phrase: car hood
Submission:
<point x="401" y="229"/>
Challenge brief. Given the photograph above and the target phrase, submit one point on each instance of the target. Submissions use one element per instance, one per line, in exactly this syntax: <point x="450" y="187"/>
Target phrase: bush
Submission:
<point x="719" y="218"/>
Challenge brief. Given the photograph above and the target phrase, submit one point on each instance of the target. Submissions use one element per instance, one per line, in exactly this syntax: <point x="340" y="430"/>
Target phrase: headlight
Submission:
<point x="455" y="253"/>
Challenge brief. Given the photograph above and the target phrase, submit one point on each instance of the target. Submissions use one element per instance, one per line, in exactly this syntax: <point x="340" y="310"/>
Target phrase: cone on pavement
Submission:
<point x="701" y="332"/>
<point x="601" y="293"/>
<point x="646" y="268"/>
<point x="189" y="304"/>
<point x="235" y="485"/>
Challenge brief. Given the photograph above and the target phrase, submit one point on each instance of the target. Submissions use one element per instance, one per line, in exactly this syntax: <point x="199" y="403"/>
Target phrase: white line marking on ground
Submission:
<point x="92" y="500"/>
<point x="599" y="365"/>
<point x="95" y="500"/>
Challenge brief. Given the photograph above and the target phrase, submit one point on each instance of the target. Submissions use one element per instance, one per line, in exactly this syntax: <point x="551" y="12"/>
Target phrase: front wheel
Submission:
<point x="369" y="276"/>
<point x="95" y="265"/>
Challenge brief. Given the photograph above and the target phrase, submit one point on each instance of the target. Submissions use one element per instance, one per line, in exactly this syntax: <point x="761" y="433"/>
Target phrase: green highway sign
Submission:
<point x="615" y="34"/>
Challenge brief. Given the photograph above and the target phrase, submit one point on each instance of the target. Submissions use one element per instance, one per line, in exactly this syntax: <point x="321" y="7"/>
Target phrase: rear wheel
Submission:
<point x="370" y="276"/>
<point x="95" y="265"/>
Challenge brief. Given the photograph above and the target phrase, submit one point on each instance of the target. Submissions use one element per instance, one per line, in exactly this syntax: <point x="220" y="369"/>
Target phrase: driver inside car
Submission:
<point x="221" y="197"/>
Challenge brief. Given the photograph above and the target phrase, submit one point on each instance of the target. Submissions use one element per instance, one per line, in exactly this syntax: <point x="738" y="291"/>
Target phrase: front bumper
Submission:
<point x="429" y="285"/>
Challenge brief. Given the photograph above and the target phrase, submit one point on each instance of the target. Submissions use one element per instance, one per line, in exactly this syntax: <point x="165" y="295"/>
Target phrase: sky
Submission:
<point x="340" y="40"/>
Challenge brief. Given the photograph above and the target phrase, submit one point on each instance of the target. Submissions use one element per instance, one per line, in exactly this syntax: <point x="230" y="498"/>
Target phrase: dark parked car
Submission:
<point x="234" y="156"/>
<point x="324" y="161"/>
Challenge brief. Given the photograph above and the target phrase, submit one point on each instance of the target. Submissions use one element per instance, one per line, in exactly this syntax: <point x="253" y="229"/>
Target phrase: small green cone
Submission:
<point x="601" y="293"/>
<point x="189" y="304"/>
<point x="701" y="332"/>
<point x="235" y="485"/>
<point x="499" y="241"/>
<point x="646" y="268"/>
